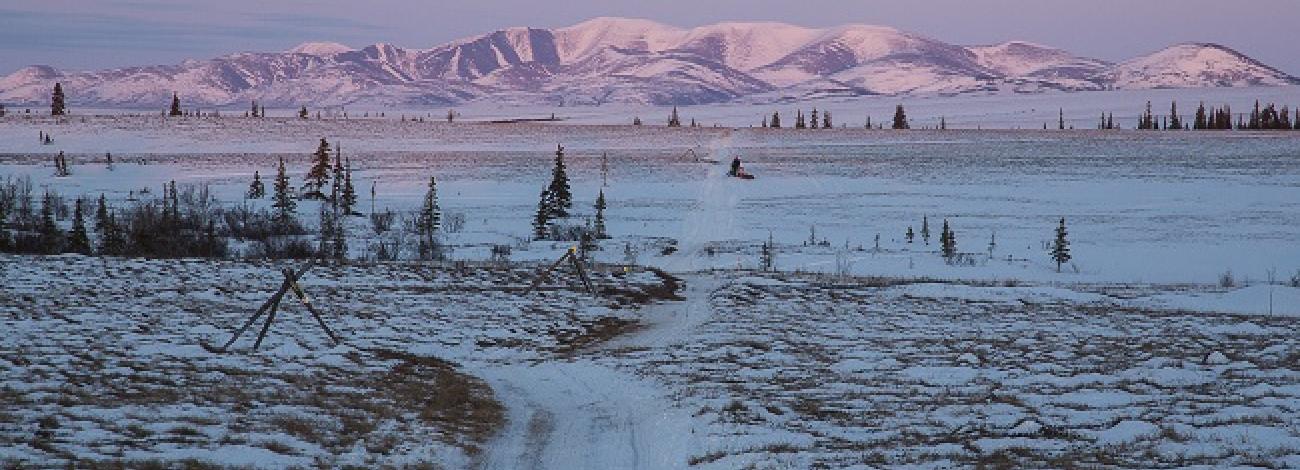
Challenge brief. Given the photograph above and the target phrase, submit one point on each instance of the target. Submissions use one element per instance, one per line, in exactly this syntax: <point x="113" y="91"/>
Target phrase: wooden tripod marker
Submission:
<point x="572" y="257"/>
<point x="272" y="304"/>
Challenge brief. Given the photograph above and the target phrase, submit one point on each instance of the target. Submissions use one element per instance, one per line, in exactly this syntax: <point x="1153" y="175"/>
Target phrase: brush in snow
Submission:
<point x="272" y="305"/>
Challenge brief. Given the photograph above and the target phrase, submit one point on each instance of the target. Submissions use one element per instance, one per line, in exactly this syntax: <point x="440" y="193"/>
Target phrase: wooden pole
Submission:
<point x="270" y="317"/>
<point x="302" y="297"/>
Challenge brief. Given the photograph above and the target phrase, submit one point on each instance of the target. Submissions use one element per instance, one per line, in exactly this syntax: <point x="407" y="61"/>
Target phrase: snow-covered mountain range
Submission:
<point x="630" y="60"/>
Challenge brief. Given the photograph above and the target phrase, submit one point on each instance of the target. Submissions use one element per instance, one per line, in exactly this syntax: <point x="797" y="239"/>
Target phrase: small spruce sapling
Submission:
<point x="1061" y="246"/>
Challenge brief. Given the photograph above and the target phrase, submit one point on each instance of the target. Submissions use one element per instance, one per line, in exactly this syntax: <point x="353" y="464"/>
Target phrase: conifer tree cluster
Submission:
<point x="1213" y="118"/>
<point x="1148" y="120"/>
<point x="900" y="118"/>
<point x="1261" y="117"/>
<point x="176" y="106"/>
<point x="58" y="102"/>
<point x="674" y="120"/>
<point x="1269" y="118"/>
<point x="1107" y="121"/>
<point x="948" y="242"/>
<point x="152" y="228"/>
<point x="1175" y="120"/>
<point x="815" y="120"/>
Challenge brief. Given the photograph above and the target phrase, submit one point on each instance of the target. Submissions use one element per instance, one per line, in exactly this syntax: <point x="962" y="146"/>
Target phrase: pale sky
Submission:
<point x="87" y="34"/>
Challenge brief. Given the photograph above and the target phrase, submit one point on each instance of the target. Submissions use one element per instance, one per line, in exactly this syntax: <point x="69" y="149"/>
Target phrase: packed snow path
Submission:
<point x="576" y="413"/>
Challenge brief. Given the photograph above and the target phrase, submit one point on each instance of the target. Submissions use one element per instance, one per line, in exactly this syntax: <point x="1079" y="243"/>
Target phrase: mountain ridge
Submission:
<point x="610" y="59"/>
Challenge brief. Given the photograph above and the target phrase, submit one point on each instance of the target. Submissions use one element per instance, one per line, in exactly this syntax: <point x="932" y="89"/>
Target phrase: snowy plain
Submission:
<point x="853" y="356"/>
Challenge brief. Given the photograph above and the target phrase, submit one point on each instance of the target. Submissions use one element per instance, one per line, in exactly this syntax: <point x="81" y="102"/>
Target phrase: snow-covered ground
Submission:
<point x="1132" y="356"/>
<point x="1152" y="207"/>
<point x="102" y="362"/>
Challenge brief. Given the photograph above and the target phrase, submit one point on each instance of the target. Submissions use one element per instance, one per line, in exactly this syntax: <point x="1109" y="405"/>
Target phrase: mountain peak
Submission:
<point x="1196" y="64"/>
<point x="613" y="59"/>
<point x="320" y="48"/>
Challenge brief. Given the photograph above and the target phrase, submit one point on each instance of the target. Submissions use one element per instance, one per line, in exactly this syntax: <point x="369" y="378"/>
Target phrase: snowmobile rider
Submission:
<point x="735" y="166"/>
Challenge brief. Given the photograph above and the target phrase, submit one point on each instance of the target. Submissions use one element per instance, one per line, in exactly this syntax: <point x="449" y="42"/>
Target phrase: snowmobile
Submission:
<point x="738" y="171"/>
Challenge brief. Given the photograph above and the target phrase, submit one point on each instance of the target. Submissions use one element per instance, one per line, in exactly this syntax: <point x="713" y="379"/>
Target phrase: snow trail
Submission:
<point x="579" y="414"/>
<point x="713" y="217"/>
<point x="583" y="414"/>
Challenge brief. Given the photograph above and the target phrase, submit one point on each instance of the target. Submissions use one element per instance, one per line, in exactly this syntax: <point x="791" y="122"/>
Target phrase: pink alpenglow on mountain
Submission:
<point x="622" y="60"/>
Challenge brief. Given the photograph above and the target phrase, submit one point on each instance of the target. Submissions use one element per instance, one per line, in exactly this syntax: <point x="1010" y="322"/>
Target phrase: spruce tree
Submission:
<point x="101" y="215"/>
<point x="948" y="242"/>
<point x="256" y="190"/>
<point x="798" y="119"/>
<point x="868" y="126"/>
<point x="6" y="241"/>
<point x="910" y="235"/>
<point x="600" y="216"/>
<point x="58" y="105"/>
<point x="176" y="106"/>
<point x="815" y="124"/>
<point x="428" y="222"/>
<point x="112" y="239"/>
<point x="1175" y="121"/>
<point x="430" y="219"/>
<point x="900" y="118"/>
<point x="1201" y="120"/>
<point x="561" y="197"/>
<point x="48" y="233"/>
<point x="302" y="113"/>
<point x="255" y="112"/>
<point x="826" y="120"/>
<point x="541" y="220"/>
<point x="1060" y="123"/>
<point x="674" y="120"/>
<point x="1061" y="246"/>
<point x="336" y="181"/>
<point x="768" y="254"/>
<point x="284" y="204"/>
<point x="78" y="239"/>
<point x="349" y="198"/>
<point x="925" y="229"/>
<point x="319" y="173"/>
<point x="776" y="120"/>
